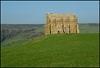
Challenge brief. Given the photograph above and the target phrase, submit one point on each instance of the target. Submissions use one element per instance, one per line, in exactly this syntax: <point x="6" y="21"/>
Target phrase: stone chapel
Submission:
<point x="61" y="23"/>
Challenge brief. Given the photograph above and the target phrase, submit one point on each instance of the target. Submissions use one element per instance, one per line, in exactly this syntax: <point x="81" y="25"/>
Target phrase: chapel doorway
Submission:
<point x="58" y="31"/>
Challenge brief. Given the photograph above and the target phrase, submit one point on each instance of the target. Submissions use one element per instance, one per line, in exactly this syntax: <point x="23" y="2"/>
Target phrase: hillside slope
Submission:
<point x="59" y="50"/>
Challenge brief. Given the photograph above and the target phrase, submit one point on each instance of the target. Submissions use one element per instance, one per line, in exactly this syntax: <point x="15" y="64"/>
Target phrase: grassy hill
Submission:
<point x="59" y="50"/>
<point x="20" y="33"/>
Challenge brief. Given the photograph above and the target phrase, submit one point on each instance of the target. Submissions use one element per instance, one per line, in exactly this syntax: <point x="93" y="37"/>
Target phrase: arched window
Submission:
<point x="50" y="28"/>
<point x="64" y="29"/>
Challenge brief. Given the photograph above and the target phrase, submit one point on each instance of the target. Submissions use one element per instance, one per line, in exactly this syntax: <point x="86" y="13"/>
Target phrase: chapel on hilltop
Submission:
<point x="61" y="23"/>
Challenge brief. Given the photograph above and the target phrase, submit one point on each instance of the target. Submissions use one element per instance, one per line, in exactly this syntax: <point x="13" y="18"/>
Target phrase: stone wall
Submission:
<point x="61" y="23"/>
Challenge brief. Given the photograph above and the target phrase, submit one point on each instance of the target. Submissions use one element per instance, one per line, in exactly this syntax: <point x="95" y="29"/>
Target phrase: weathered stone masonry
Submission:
<point x="61" y="23"/>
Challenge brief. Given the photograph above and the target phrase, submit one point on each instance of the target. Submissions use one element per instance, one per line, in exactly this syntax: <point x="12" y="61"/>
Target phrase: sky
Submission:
<point x="34" y="12"/>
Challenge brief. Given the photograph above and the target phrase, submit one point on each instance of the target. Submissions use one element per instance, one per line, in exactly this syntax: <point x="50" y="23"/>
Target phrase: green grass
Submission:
<point x="22" y="38"/>
<point x="13" y="41"/>
<point x="59" y="50"/>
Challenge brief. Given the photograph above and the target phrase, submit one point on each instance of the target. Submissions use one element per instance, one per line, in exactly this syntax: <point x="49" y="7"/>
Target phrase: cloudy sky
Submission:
<point x="34" y="12"/>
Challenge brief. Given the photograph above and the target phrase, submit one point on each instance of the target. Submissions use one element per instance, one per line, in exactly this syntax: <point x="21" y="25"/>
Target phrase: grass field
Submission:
<point x="59" y="50"/>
